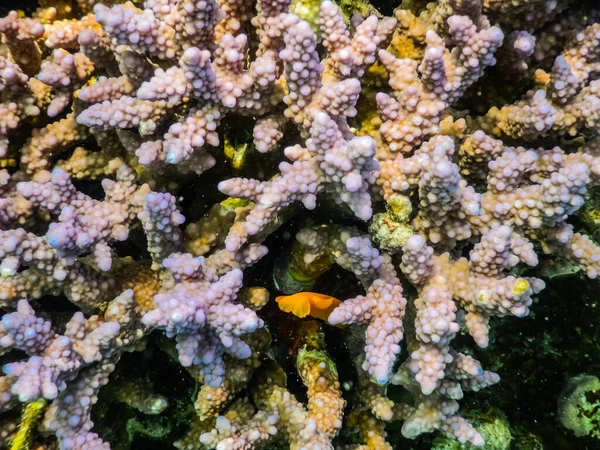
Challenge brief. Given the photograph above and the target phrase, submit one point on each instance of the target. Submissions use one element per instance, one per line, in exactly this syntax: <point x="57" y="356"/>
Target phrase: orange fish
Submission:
<point x="303" y="304"/>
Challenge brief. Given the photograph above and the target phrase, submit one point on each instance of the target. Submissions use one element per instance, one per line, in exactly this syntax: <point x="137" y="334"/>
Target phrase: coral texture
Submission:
<point x="122" y="121"/>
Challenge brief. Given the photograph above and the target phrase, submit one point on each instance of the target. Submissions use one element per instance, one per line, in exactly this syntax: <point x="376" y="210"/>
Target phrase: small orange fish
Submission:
<point x="303" y="304"/>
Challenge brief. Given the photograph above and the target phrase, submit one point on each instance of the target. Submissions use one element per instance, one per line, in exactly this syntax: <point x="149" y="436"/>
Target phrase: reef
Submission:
<point x="169" y="167"/>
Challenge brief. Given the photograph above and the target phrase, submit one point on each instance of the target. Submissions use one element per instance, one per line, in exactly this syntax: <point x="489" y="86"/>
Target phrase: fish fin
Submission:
<point x="297" y="306"/>
<point x="321" y="301"/>
<point x="323" y="314"/>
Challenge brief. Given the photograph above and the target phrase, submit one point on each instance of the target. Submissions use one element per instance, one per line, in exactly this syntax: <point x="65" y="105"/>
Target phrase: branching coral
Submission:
<point x="109" y="113"/>
<point x="200" y="295"/>
<point x="567" y="98"/>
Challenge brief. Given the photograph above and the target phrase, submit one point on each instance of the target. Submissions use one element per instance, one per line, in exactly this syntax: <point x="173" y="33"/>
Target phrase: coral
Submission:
<point x="564" y="103"/>
<point x="21" y="35"/>
<point x="491" y="424"/>
<point x="84" y="224"/>
<point x="462" y="134"/>
<point x="87" y="351"/>
<point x="390" y="230"/>
<point x="210" y="231"/>
<point x="578" y="405"/>
<point x="278" y="410"/>
<point x="530" y="14"/>
<point x="312" y="171"/>
<point x="199" y="293"/>
<point x="423" y="91"/>
<point x="212" y="400"/>
<point x="139" y="395"/>
<point x="372" y="431"/>
<point x="8" y="430"/>
<point x="31" y="416"/>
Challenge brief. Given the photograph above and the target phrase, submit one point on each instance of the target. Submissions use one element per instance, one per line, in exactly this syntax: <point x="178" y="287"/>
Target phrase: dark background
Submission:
<point x="26" y="5"/>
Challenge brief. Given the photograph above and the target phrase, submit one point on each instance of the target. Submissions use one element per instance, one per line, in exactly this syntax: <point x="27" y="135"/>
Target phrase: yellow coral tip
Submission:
<point x="482" y="297"/>
<point x="521" y="287"/>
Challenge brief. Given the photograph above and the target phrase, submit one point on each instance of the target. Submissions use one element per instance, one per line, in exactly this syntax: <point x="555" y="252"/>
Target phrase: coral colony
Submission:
<point x="109" y="109"/>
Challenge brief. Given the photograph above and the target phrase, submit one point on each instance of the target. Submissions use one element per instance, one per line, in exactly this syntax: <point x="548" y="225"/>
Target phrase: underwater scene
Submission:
<point x="299" y="224"/>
